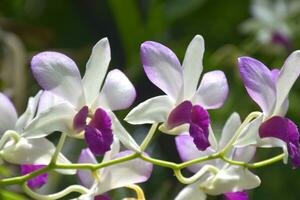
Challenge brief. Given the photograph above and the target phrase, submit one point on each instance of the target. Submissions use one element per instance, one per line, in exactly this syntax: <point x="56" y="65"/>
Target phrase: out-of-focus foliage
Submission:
<point x="73" y="26"/>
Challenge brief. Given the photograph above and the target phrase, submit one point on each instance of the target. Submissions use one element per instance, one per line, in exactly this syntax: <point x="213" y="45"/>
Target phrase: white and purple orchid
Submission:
<point x="270" y="89"/>
<point x="112" y="177"/>
<point x="232" y="181"/>
<point x="184" y="106"/>
<point x="76" y="105"/>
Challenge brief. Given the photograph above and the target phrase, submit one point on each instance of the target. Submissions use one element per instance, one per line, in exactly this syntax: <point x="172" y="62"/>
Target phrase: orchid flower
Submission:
<point x="270" y="89"/>
<point x="23" y="150"/>
<point x="230" y="180"/>
<point x="184" y="106"/>
<point x="76" y="105"/>
<point x="112" y="177"/>
<point x="272" y="21"/>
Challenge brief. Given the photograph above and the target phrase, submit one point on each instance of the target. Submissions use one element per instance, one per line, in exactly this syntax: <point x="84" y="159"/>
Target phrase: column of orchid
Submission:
<point x="82" y="108"/>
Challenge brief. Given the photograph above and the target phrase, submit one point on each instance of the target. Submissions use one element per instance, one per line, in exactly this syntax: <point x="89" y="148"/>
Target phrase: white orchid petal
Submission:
<point x="48" y="100"/>
<point x="96" y="68"/>
<point x="230" y="127"/>
<point x="125" y="138"/>
<point x="191" y="192"/>
<point x="86" y="176"/>
<point x="123" y="174"/>
<point x="287" y="77"/>
<point x="117" y="93"/>
<point x="8" y="114"/>
<point x="162" y="68"/>
<point x="193" y="65"/>
<point x="231" y="179"/>
<point x="153" y="110"/>
<point x="244" y="154"/>
<point x="59" y="74"/>
<point x="29" y="113"/>
<point x="249" y="135"/>
<point x="212" y="91"/>
<point x="56" y="118"/>
<point x="114" y="150"/>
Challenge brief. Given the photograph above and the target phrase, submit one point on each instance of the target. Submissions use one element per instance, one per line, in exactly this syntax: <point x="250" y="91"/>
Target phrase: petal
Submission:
<point x="193" y="65"/>
<point x="56" y="118"/>
<point x="275" y="127"/>
<point x="162" y="68"/>
<point x="48" y="100"/>
<point x="120" y="132"/>
<point x="123" y="174"/>
<point x="191" y="192"/>
<point x="98" y="141"/>
<point x="244" y="154"/>
<point x="59" y="74"/>
<point x="212" y="91"/>
<point x="117" y="93"/>
<point x="29" y="113"/>
<point x="293" y="144"/>
<point x="79" y="121"/>
<point x="288" y="75"/>
<point x="85" y="176"/>
<point x="151" y="111"/>
<point x="188" y="151"/>
<point x="29" y="151"/>
<point x="96" y="68"/>
<point x="115" y="149"/>
<point x="258" y="81"/>
<point x="229" y="129"/>
<point x="37" y="181"/>
<point x="231" y="179"/>
<point x="8" y="114"/>
<point x="180" y="115"/>
<point x="249" y="135"/>
<point x="236" y="196"/>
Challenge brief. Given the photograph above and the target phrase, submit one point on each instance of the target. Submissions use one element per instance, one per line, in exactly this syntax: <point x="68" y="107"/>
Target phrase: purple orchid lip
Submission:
<point x="79" y="121"/>
<point x="102" y="197"/>
<point x="37" y="181"/>
<point x="285" y="130"/>
<point x="197" y="117"/>
<point x="98" y="133"/>
<point x="236" y="196"/>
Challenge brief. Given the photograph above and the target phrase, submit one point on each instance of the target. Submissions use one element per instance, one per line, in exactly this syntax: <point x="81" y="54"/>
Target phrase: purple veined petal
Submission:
<point x="102" y="121"/>
<point x="37" y="181"/>
<point x="102" y="197"/>
<point x="96" y="68"/>
<point x="193" y="65"/>
<point x="180" y="115"/>
<point x="97" y="142"/>
<point x="162" y="68"/>
<point x="236" y="196"/>
<point x="85" y="176"/>
<point x="8" y="114"/>
<point x="274" y="127"/>
<point x="117" y="93"/>
<point x="59" y="74"/>
<point x="199" y="127"/>
<point x="259" y="84"/>
<point x="79" y="121"/>
<point x="126" y="173"/>
<point x="188" y="151"/>
<point x="288" y="75"/>
<point x="212" y="91"/>
<point x="293" y="145"/>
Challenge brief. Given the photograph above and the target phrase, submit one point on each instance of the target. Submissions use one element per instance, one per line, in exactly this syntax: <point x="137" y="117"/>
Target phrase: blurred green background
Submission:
<point x="74" y="26"/>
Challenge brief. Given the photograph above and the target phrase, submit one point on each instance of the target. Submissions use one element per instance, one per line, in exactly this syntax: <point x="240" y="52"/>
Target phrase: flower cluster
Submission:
<point x="82" y="108"/>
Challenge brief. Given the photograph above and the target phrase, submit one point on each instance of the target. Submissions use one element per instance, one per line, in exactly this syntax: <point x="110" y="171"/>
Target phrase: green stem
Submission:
<point x="158" y="162"/>
<point x="59" y="147"/>
<point x="149" y="137"/>
<point x="73" y="188"/>
<point x="198" y="160"/>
